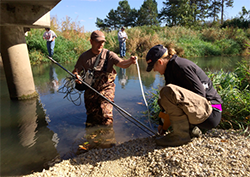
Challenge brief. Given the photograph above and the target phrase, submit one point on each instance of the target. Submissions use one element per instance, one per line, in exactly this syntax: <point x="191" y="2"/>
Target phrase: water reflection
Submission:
<point x="216" y="63"/>
<point x="54" y="83"/>
<point x="122" y="77"/>
<point x="97" y="137"/>
<point x="26" y="142"/>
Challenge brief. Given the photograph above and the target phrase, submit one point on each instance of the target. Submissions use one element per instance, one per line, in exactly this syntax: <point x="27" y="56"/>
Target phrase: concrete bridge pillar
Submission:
<point x="15" y="15"/>
<point x="16" y="63"/>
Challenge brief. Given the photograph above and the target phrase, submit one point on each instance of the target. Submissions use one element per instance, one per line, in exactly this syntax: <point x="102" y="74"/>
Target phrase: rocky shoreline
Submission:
<point x="216" y="153"/>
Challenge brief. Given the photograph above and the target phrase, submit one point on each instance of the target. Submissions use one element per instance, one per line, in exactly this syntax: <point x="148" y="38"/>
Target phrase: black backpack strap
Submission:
<point x="106" y="62"/>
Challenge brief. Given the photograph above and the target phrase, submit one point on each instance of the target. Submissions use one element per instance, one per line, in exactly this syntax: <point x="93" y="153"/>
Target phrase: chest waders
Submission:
<point x="99" y="110"/>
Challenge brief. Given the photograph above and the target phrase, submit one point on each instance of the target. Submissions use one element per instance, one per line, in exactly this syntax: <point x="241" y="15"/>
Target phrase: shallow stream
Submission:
<point x="36" y="131"/>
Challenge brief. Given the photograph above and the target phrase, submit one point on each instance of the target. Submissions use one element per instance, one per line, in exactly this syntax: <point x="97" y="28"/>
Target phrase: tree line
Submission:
<point x="186" y="13"/>
<point x="125" y="16"/>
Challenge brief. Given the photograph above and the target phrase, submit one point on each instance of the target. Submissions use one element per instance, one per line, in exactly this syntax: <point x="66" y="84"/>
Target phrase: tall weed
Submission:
<point x="112" y="41"/>
<point x="236" y="105"/>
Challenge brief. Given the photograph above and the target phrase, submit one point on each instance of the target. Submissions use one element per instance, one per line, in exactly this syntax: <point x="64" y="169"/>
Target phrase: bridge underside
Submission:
<point x="15" y="17"/>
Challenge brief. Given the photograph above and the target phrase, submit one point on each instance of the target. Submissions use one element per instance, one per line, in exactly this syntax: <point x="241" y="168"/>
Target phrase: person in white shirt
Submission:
<point x="122" y="37"/>
<point x="50" y="37"/>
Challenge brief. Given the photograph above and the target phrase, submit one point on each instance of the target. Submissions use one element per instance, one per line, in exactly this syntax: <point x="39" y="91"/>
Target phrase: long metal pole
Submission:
<point x="153" y="133"/>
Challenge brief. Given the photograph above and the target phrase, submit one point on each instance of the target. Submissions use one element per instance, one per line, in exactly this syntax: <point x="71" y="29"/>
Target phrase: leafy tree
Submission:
<point x="148" y="14"/>
<point x="100" y="24"/>
<point x="227" y="3"/>
<point x="167" y="14"/>
<point x="243" y="21"/>
<point x="214" y="10"/>
<point x="244" y="14"/>
<point x="124" y="14"/>
<point x="133" y="17"/>
<point x="184" y="12"/>
<point x="186" y="16"/>
<point x="112" y="21"/>
<point x="218" y="6"/>
<point x="172" y="12"/>
<point x="202" y="9"/>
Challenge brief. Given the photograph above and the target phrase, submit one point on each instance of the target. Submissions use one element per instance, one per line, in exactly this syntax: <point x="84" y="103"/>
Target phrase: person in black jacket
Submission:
<point x="188" y="96"/>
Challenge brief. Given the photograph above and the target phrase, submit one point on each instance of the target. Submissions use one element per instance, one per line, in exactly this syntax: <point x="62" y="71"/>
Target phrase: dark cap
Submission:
<point x="154" y="54"/>
<point x="98" y="36"/>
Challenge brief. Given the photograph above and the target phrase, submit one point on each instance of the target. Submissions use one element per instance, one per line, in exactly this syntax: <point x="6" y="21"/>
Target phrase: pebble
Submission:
<point x="216" y="153"/>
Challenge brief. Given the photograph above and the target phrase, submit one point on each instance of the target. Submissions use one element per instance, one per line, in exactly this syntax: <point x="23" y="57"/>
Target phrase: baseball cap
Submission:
<point x="98" y="36"/>
<point x="154" y="54"/>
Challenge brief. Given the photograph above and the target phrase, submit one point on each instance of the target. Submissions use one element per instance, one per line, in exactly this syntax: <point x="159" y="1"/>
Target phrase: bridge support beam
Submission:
<point x="15" y="15"/>
<point x="16" y="63"/>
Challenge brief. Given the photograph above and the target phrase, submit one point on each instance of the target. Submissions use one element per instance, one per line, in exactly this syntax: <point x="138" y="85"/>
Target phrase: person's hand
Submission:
<point x="160" y="130"/>
<point x="78" y="77"/>
<point x="133" y="59"/>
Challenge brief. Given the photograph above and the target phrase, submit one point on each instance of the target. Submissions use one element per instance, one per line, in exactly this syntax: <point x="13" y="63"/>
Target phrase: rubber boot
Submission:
<point x="179" y="136"/>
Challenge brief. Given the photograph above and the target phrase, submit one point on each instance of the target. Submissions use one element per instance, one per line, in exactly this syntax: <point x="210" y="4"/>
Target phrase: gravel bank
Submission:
<point x="216" y="153"/>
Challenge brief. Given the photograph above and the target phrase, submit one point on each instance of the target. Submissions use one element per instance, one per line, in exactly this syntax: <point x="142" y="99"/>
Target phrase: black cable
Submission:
<point x="69" y="90"/>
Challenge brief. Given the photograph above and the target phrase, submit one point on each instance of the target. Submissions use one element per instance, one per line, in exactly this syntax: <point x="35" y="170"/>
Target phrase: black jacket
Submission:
<point x="188" y="75"/>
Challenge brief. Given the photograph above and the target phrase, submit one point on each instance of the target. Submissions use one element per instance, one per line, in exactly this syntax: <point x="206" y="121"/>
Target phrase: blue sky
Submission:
<point x="86" y="11"/>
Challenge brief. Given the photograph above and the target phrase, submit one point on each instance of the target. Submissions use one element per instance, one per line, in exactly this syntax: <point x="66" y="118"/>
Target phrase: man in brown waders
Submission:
<point x="99" y="110"/>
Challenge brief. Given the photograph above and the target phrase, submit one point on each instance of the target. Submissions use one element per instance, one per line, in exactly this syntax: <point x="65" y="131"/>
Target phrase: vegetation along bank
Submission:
<point x="188" y="42"/>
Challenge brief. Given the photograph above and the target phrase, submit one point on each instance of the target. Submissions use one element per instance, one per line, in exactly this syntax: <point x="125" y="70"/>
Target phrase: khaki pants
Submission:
<point x="178" y="101"/>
